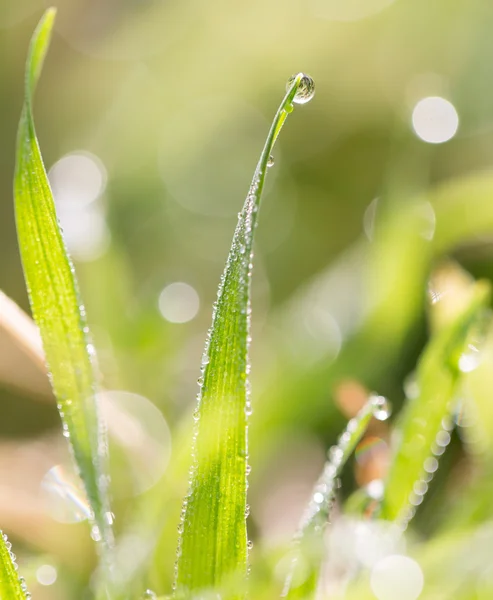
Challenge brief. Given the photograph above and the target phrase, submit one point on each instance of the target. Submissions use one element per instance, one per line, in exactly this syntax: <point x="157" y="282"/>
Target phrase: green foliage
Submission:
<point x="309" y="544"/>
<point x="213" y="546"/>
<point x="428" y="415"/>
<point x="12" y="586"/>
<point x="55" y="302"/>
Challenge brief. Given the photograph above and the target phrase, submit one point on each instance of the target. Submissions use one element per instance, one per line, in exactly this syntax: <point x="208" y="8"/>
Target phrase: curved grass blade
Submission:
<point x="426" y="419"/>
<point x="213" y="546"/>
<point x="55" y="302"/>
<point x="12" y="586"/>
<point x="304" y="573"/>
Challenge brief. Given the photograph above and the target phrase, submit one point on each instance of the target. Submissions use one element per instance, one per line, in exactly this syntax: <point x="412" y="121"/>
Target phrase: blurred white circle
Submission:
<point x="349" y="10"/>
<point x="46" y="574"/>
<point x="397" y="576"/>
<point x="139" y="428"/>
<point x="77" y="178"/>
<point x="435" y="120"/>
<point x="179" y="302"/>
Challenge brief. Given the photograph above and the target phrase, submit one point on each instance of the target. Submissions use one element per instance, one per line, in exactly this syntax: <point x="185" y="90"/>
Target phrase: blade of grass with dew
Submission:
<point x="55" y="303"/>
<point x="426" y="419"/>
<point x="302" y="579"/>
<point x="213" y="546"/>
<point x="12" y="586"/>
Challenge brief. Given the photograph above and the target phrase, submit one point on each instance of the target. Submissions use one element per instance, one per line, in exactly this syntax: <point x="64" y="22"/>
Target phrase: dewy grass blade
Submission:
<point x="12" y="586"/>
<point x="308" y="551"/>
<point x="426" y="420"/>
<point x="213" y="545"/>
<point x="55" y="302"/>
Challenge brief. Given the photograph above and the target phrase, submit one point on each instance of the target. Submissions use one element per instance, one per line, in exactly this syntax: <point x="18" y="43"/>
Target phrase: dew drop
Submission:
<point x="420" y="488"/>
<point x="249" y="544"/>
<point x="470" y="359"/>
<point x="149" y="595"/>
<point x="306" y="89"/>
<point x="96" y="533"/>
<point x="336" y="454"/>
<point x="431" y="464"/>
<point x="375" y="489"/>
<point x="381" y="408"/>
<point x="270" y="162"/>
<point x="443" y="438"/>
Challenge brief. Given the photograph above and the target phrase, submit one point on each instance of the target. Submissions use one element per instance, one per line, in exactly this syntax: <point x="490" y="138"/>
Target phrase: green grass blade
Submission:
<point x="55" y="301"/>
<point x="213" y="546"/>
<point x="427" y="415"/>
<point x="303" y="576"/>
<point x="12" y="586"/>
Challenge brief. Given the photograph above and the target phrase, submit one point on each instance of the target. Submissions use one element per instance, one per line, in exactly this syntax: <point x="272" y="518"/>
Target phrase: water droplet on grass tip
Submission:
<point x="271" y="161"/>
<point x="149" y="595"/>
<point x="381" y="408"/>
<point x="305" y="91"/>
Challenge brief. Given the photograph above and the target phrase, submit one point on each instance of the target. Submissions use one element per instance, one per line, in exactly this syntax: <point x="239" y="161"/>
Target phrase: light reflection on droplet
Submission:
<point x="375" y="489"/>
<point x="63" y="496"/>
<point x="179" y="302"/>
<point x="435" y="120"/>
<point x="46" y="574"/>
<point x="305" y="91"/>
<point x="470" y="359"/>
<point x="397" y="576"/>
<point x="381" y="407"/>
<point x="140" y="430"/>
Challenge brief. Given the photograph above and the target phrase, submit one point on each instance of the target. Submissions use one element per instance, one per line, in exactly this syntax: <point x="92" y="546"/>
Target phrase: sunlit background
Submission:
<point x="151" y="115"/>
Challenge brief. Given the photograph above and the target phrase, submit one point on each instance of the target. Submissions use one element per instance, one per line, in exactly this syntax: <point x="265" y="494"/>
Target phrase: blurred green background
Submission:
<point x="151" y="115"/>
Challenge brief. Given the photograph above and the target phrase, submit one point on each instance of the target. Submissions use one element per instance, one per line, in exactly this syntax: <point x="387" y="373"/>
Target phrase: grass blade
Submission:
<point x="308" y="553"/>
<point x="12" y="587"/>
<point x="55" y="301"/>
<point x="213" y="546"/>
<point x="428" y="415"/>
